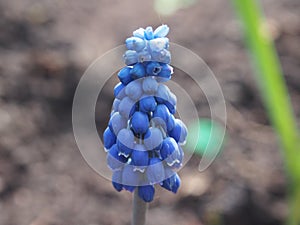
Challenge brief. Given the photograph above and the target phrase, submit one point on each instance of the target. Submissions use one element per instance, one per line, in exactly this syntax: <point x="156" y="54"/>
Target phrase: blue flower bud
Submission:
<point x="139" y="33"/>
<point x="146" y="193"/>
<point x="171" y="103"/>
<point x="147" y="104"/>
<point x="116" y="104"/>
<point x="162" y="112"/>
<point x="153" y="139"/>
<point x="165" y="73"/>
<point x="135" y="43"/>
<point x="155" y="171"/>
<point x="119" y="91"/>
<point x="134" y="90"/>
<point x="158" y="44"/>
<point x="140" y="157"/>
<point x="170" y="123"/>
<point x="125" y="142"/>
<point x="172" y="183"/>
<point x="116" y="123"/>
<point x="130" y="57"/>
<point x="162" y="94"/>
<point x="117" y="180"/>
<point x="169" y="145"/>
<point x="144" y="56"/>
<point x="130" y="178"/>
<point x="138" y="71"/>
<point x="150" y="85"/>
<point x="161" y="31"/>
<point x="126" y="107"/>
<point x="162" y="56"/>
<point x="179" y="132"/>
<point x="148" y="33"/>
<point x="109" y="138"/>
<point x="114" y="160"/>
<point x="124" y="75"/>
<point x="139" y="123"/>
<point x="153" y="68"/>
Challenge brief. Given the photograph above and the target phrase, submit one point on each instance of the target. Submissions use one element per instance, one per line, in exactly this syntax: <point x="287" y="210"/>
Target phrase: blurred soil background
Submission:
<point x="45" y="47"/>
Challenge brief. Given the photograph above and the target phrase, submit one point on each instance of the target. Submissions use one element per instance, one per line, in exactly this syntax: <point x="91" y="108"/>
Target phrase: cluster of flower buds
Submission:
<point x="143" y="139"/>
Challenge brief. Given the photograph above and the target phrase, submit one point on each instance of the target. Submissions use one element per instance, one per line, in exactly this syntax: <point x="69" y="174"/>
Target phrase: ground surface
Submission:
<point x="45" y="46"/>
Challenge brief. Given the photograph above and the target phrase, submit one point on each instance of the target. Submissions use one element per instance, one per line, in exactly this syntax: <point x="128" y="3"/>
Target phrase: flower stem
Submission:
<point x="139" y="210"/>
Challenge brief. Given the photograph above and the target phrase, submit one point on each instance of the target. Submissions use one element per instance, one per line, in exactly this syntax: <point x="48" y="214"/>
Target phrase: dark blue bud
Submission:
<point x="140" y="157"/>
<point x="124" y="75"/>
<point x="146" y="192"/>
<point x="138" y="71"/>
<point x="172" y="183"/>
<point x="153" y="68"/>
<point x="147" y="104"/>
<point x="165" y="73"/>
<point x="109" y="138"/>
<point x="139" y="123"/>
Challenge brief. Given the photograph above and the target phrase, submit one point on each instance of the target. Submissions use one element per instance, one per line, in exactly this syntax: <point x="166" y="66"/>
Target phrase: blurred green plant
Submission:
<point x="168" y="7"/>
<point x="207" y="136"/>
<point x="275" y="95"/>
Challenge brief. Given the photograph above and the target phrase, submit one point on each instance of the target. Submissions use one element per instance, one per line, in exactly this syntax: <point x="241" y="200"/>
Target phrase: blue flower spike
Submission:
<point x="143" y="139"/>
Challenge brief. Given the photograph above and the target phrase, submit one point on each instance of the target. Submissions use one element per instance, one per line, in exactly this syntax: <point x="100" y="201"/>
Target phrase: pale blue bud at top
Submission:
<point x="158" y="44"/>
<point x="144" y="56"/>
<point x="135" y="43"/>
<point x="130" y="57"/>
<point x="161" y="31"/>
<point x="139" y="33"/>
<point x="146" y="192"/>
<point x="162" y="56"/>
<point x="148" y="33"/>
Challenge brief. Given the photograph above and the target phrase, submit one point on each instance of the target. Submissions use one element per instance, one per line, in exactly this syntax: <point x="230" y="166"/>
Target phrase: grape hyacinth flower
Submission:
<point x="143" y="139"/>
